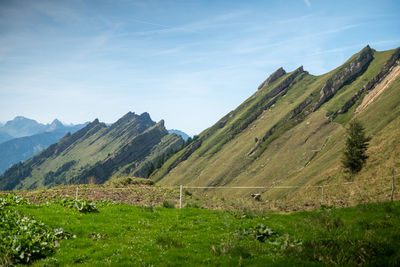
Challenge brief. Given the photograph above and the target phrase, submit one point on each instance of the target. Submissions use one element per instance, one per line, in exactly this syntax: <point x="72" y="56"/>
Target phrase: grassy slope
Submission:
<point x="382" y="122"/>
<point x="307" y="154"/>
<point x="90" y="150"/>
<point x="366" y="234"/>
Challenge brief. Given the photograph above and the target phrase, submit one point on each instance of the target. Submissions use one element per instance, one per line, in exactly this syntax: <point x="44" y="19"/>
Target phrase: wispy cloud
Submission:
<point x="307" y="2"/>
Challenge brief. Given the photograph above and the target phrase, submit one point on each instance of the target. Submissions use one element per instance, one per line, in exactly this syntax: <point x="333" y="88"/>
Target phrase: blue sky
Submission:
<point x="188" y="62"/>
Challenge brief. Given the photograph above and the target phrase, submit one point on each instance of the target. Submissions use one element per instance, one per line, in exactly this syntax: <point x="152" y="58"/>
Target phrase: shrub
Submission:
<point x="168" y="204"/>
<point x="260" y="232"/>
<point x="84" y="206"/>
<point x="12" y="200"/>
<point x="23" y="239"/>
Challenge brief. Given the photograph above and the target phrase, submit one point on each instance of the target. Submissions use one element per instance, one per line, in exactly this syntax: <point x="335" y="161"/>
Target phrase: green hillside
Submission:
<point x="94" y="154"/>
<point x="291" y="133"/>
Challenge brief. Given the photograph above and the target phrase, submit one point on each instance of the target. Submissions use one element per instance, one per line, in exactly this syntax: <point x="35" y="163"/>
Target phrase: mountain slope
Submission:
<point x="23" y="148"/>
<point x="92" y="154"/>
<point x="4" y="137"/>
<point x="291" y="131"/>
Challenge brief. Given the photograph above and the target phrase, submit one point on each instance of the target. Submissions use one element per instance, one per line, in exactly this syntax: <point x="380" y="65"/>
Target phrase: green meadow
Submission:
<point x="112" y="234"/>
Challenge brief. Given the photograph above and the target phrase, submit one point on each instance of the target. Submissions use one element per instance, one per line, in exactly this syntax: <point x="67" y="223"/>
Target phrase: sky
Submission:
<point x="187" y="62"/>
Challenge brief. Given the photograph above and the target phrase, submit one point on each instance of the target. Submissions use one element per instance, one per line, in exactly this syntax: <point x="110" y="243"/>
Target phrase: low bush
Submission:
<point x="12" y="200"/>
<point x="260" y="232"/>
<point x="84" y="206"/>
<point x="168" y="204"/>
<point x="22" y="238"/>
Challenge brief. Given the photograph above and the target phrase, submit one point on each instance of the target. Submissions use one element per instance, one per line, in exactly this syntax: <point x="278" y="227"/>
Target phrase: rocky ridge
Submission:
<point x="273" y="77"/>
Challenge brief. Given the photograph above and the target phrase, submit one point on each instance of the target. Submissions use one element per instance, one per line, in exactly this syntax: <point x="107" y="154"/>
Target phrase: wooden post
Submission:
<point x="76" y="194"/>
<point x="180" y="196"/>
<point x="322" y="194"/>
<point x="391" y="195"/>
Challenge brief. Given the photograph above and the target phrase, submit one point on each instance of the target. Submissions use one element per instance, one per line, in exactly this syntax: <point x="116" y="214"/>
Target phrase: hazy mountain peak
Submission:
<point x="183" y="134"/>
<point x="20" y="119"/>
<point x="56" y="122"/>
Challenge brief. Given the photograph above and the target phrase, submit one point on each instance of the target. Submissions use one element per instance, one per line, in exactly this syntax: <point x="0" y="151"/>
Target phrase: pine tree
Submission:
<point x="354" y="156"/>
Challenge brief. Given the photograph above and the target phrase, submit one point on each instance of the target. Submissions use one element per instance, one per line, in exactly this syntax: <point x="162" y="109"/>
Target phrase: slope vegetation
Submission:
<point x="290" y="133"/>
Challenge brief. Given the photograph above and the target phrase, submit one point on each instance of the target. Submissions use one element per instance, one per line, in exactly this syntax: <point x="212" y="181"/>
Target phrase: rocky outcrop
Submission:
<point x="393" y="61"/>
<point x="273" y="77"/>
<point x="345" y="75"/>
<point x="271" y="97"/>
<point x="285" y="83"/>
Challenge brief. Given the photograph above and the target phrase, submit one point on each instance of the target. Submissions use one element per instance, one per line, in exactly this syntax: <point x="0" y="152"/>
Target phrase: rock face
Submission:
<point x="273" y="77"/>
<point x="285" y="83"/>
<point x="393" y="61"/>
<point x="347" y="74"/>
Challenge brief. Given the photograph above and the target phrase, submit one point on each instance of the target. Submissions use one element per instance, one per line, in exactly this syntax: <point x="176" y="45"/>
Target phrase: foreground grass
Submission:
<point x="121" y="235"/>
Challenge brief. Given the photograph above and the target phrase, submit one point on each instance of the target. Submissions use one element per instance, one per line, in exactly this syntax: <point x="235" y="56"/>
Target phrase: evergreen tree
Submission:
<point x="354" y="156"/>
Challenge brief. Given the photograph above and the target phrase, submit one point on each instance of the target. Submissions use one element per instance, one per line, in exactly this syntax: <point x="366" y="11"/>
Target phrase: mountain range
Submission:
<point x="95" y="153"/>
<point x="21" y="127"/>
<point x="22" y="138"/>
<point x="288" y="138"/>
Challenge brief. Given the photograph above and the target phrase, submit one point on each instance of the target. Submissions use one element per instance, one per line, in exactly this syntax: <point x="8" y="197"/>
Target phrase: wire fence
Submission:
<point x="275" y="197"/>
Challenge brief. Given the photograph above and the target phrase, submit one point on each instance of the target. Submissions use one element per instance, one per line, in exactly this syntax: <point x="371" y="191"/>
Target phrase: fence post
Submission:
<point x="322" y="194"/>
<point x="76" y="194"/>
<point x="180" y="196"/>
<point x="391" y="195"/>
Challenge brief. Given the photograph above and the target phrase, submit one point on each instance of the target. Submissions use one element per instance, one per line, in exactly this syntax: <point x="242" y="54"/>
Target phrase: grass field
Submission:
<point x="122" y="235"/>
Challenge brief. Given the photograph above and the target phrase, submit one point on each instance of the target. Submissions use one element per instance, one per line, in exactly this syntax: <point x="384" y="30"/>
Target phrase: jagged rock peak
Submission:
<point x="161" y="123"/>
<point x="56" y="122"/>
<point x="299" y="69"/>
<point x="273" y="77"/>
<point x="145" y="115"/>
<point x="129" y="115"/>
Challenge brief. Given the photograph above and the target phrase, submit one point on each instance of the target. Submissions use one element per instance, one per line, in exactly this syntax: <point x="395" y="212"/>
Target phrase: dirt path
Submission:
<point x="379" y="88"/>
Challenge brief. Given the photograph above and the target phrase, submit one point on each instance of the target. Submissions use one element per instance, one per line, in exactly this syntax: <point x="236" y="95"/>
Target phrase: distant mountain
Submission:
<point x="130" y="146"/>
<point x="23" y="148"/>
<point x="35" y="138"/>
<point x="184" y="135"/>
<point x="5" y="137"/>
<point x="21" y="126"/>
